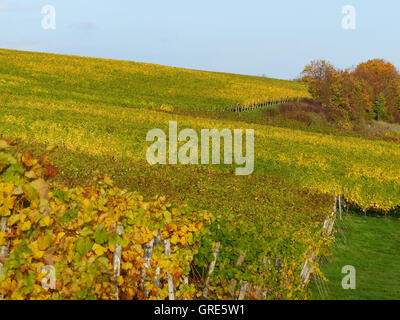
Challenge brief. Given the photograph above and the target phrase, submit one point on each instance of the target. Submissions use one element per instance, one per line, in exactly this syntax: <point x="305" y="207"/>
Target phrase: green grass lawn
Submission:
<point x="372" y="245"/>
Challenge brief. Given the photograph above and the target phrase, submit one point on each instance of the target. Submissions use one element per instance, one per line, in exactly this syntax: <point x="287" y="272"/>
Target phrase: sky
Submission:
<point x="272" y="38"/>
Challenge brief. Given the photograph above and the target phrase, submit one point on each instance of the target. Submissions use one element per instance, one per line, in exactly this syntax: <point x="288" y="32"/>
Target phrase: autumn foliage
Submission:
<point x="74" y="231"/>
<point x="369" y="91"/>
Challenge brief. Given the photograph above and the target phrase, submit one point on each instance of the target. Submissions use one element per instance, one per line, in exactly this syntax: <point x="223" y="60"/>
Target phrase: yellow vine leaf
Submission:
<point x="3" y="241"/>
<point x="26" y="225"/>
<point x="98" y="249"/>
<point x="46" y="221"/>
<point x="37" y="253"/>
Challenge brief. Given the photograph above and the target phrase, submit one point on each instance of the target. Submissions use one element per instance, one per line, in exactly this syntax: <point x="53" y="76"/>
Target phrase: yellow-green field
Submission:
<point x="136" y="85"/>
<point x="98" y="112"/>
<point x="368" y="170"/>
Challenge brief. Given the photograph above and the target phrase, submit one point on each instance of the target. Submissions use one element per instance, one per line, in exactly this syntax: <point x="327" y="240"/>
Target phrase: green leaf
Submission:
<point x="60" y="195"/>
<point x="13" y="174"/>
<point x="83" y="246"/>
<point x="30" y="192"/>
<point x="103" y="261"/>
<point x="29" y="282"/>
<point x="6" y="160"/>
<point x="69" y="216"/>
<point x="101" y="235"/>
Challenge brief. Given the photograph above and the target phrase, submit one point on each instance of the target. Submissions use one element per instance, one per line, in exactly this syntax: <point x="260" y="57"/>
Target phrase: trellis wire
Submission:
<point x="320" y="284"/>
<point x="326" y="231"/>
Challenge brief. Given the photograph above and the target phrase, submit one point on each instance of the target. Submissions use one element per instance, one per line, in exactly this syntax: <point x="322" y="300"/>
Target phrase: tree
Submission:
<point x="379" y="107"/>
<point x="378" y="73"/>
<point x="320" y="75"/>
<point x="340" y="93"/>
<point x="397" y="103"/>
<point x="324" y="83"/>
<point x="380" y="77"/>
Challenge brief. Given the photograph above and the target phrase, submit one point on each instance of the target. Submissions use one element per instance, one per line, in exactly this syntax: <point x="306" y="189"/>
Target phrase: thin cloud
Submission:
<point x="85" y="25"/>
<point x="7" y="7"/>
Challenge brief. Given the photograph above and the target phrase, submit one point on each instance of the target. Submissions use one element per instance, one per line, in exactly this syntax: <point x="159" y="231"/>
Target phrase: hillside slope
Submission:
<point x="87" y="110"/>
<point x="131" y="84"/>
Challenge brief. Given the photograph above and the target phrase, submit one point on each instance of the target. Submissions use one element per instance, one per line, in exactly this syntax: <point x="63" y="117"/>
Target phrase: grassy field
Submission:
<point x="97" y="114"/>
<point x="369" y="243"/>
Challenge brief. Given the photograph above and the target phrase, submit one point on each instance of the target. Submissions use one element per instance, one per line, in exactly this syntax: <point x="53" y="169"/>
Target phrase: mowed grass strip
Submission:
<point x="371" y="244"/>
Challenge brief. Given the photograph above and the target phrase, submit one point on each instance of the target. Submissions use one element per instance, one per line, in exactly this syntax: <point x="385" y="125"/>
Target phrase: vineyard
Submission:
<point x="102" y="242"/>
<point x="134" y="85"/>
<point x="317" y="161"/>
<point x="93" y="238"/>
<point x="91" y="117"/>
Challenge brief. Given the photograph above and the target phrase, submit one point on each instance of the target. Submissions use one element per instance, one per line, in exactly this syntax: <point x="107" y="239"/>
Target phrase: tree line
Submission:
<point x="369" y="91"/>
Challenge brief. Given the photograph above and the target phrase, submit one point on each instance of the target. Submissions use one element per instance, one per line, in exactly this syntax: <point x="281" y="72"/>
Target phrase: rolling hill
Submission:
<point x="95" y="114"/>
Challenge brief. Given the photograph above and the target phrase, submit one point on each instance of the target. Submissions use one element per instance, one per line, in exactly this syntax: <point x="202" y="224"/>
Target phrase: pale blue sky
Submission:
<point x="275" y="38"/>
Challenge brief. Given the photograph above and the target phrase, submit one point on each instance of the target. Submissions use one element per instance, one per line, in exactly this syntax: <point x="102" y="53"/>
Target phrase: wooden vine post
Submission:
<point x="148" y="252"/>
<point x="278" y="262"/>
<point x="250" y="106"/>
<point x="212" y="267"/>
<point x="157" y="241"/>
<point x="117" y="261"/>
<point x="239" y="263"/>
<point x="4" y="250"/>
<point x="171" y="289"/>
<point x="243" y="290"/>
<point x="327" y="229"/>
